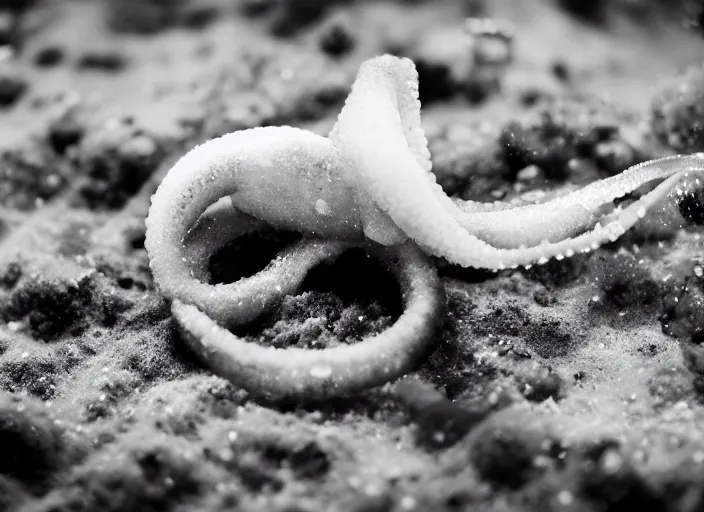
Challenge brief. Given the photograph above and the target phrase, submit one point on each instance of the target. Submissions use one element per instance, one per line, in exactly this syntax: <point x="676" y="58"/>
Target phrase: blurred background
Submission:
<point x="79" y="77"/>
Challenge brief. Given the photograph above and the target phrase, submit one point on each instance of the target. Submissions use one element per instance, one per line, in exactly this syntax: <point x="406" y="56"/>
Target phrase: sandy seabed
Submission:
<point x="573" y="386"/>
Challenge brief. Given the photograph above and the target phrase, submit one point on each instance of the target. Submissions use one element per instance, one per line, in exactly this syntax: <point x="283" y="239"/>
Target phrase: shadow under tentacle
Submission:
<point x="276" y="374"/>
<point x="301" y="374"/>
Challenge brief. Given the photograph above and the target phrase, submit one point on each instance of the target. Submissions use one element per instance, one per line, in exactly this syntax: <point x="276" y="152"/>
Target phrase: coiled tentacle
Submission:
<point x="379" y="137"/>
<point x="253" y="165"/>
<point x="300" y="374"/>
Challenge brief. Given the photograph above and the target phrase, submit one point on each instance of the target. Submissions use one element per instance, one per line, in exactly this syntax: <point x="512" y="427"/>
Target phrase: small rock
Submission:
<point x="691" y="207"/>
<point x="118" y="159"/>
<point x="441" y="423"/>
<point x="693" y="353"/>
<point x="34" y="447"/>
<point x="625" y="281"/>
<point x="538" y="383"/>
<point x="291" y="16"/>
<point x="558" y="133"/>
<point x="142" y="16"/>
<point x="593" y="10"/>
<point x="435" y="81"/>
<point x="544" y="297"/>
<point x="49" y="56"/>
<point x="561" y="71"/>
<point x="530" y="173"/>
<point x="12" y="87"/>
<point x="64" y="132"/>
<point x="337" y="41"/>
<point x="614" y="155"/>
<point x="506" y="445"/>
<point x="256" y="7"/>
<point x="198" y="17"/>
<point x="106" y="60"/>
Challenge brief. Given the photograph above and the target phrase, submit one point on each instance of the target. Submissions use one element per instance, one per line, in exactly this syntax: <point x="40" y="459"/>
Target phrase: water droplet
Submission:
<point x="408" y="503"/>
<point x="612" y="461"/>
<point x="321" y="371"/>
<point x="322" y="207"/>
<point x="565" y="498"/>
<point x="439" y="436"/>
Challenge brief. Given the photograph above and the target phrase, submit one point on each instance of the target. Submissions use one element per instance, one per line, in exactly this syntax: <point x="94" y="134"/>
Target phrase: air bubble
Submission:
<point x="321" y="371"/>
<point x="322" y="207"/>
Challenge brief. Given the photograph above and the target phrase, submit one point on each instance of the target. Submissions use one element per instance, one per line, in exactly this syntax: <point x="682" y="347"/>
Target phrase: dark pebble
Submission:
<point x="612" y="482"/>
<point x="691" y="207"/>
<point x="11" y="274"/>
<point x="32" y="446"/>
<point x="435" y="82"/>
<point x="12" y="87"/>
<point x="118" y="161"/>
<point x="561" y="71"/>
<point x="49" y="56"/>
<point x="505" y="446"/>
<point x="683" y="314"/>
<point x="108" y="61"/>
<point x="544" y="297"/>
<point x="624" y="281"/>
<point x="441" y="423"/>
<point x="337" y="41"/>
<point x="381" y="502"/>
<point x="63" y="133"/>
<point x="198" y="18"/>
<point x="539" y="383"/>
<point x="693" y="353"/>
<point x="52" y="306"/>
<point x="291" y="16"/>
<point x="560" y="132"/>
<point x="255" y="8"/>
<point x="588" y="10"/>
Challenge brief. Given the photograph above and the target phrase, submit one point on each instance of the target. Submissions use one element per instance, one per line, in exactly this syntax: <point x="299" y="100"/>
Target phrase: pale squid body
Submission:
<point x="369" y="183"/>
